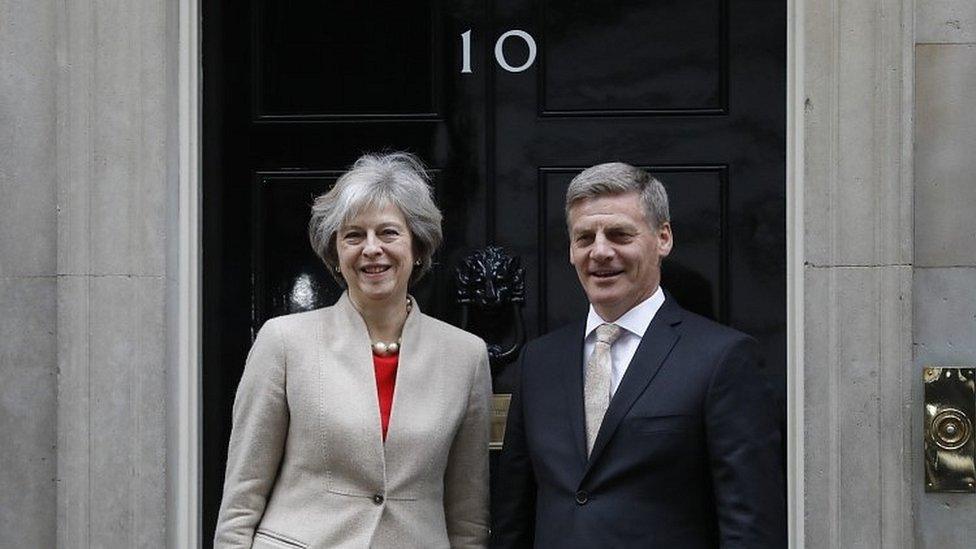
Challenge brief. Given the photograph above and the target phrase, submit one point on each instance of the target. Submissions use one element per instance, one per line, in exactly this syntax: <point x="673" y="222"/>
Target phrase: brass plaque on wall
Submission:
<point x="950" y="406"/>
<point x="499" y="415"/>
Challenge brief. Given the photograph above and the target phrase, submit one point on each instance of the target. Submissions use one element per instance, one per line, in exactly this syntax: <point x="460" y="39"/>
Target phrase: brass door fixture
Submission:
<point x="950" y="406"/>
<point x="491" y="292"/>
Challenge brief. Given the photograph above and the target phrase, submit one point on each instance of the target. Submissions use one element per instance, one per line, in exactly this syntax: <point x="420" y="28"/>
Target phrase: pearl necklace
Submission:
<point x="384" y="348"/>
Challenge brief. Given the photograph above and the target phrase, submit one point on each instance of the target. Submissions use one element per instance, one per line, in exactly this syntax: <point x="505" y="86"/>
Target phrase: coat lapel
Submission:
<point x="654" y="348"/>
<point x="361" y="402"/>
<point x="409" y="390"/>
<point x="568" y="359"/>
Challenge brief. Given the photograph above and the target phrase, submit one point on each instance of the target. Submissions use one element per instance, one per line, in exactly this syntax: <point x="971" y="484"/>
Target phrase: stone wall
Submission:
<point x="87" y="120"/>
<point x="28" y="267"/>
<point x="944" y="286"/>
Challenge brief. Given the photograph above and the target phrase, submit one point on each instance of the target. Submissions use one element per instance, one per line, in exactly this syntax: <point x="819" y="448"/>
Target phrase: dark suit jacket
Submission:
<point x="688" y="455"/>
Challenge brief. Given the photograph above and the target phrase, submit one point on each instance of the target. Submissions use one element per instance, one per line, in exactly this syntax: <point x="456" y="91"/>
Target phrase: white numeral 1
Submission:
<point x="466" y="52"/>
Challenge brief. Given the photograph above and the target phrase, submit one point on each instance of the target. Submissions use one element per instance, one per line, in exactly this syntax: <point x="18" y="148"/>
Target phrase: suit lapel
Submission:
<point x="654" y="348"/>
<point x="568" y="361"/>
<point x="409" y="391"/>
<point x="358" y="380"/>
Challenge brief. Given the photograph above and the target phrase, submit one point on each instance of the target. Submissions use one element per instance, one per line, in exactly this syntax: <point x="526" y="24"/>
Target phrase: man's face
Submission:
<point x="616" y="252"/>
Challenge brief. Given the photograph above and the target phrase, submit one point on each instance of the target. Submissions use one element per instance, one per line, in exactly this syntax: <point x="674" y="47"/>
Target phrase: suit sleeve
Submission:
<point x="260" y="424"/>
<point x="466" y="477"/>
<point x="513" y="504"/>
<point x="744" y="452"/>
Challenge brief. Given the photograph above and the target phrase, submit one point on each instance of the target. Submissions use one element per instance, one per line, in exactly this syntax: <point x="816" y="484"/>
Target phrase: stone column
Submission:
<point x="857" y="238"/>
<point x="115" y="94"/>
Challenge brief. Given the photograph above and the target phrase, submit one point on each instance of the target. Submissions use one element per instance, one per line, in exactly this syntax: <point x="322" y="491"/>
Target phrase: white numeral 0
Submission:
<point x="499" y="53"/>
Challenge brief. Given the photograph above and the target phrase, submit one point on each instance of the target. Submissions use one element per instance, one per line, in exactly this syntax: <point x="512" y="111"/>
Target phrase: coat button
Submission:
<point x="582" y="497"/>
<point x="378" y="499"/>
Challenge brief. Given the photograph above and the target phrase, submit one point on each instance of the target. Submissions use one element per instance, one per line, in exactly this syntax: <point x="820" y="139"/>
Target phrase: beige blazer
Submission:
<point x="307" y="465"/>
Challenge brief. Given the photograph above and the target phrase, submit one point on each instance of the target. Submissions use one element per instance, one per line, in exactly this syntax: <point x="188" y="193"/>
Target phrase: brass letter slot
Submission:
<point x="950" y="406"/>
<point x="499" y="415"/>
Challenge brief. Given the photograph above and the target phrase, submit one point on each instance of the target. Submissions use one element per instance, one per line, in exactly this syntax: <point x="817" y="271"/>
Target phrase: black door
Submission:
<point x="294" y="91"/>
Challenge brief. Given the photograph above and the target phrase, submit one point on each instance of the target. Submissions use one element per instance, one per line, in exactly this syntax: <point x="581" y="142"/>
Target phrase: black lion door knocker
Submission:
<point x="491" y="291"/>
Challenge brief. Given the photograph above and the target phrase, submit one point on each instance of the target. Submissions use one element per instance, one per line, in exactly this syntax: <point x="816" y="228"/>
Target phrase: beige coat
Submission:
<point x="307" y="466"/>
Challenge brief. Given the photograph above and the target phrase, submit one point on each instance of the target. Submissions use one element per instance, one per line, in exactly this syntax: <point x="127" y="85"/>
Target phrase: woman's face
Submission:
<point x="375" y="252"/>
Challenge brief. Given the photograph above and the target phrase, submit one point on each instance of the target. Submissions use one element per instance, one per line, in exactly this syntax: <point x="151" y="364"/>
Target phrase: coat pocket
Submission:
<point x="662" y="424"/>
<point x="264" y="538"/>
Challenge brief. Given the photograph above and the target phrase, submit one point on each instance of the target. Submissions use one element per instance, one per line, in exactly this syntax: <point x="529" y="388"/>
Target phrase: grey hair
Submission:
<point x="617" y="178"/>
<point x="378" y="180"/>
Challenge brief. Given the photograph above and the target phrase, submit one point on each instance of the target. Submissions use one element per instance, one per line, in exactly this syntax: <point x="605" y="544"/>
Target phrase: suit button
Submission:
<point x="582" y="497"/>
<point x="378" y="499"/>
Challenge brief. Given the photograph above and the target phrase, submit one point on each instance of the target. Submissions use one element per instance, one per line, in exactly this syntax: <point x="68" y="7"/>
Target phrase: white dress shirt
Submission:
<point x="634" y="323"/>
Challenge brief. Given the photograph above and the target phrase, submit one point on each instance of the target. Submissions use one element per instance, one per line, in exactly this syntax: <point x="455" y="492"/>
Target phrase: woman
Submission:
<point x="364" y="424"/>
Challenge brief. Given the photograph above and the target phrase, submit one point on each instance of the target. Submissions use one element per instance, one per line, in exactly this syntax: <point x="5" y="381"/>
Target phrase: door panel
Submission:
<point x="347" y="61"/>
<point x="671" y="54"/>
<point x="294" y="91"/>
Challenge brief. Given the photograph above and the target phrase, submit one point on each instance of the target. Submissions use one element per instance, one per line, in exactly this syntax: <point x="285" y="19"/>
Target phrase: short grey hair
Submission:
<point x="378" y="180"/>
<point x="618" y="178"/>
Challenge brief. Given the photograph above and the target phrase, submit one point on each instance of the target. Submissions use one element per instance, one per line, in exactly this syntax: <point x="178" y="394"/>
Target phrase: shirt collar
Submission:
<point x="635" y="320"/>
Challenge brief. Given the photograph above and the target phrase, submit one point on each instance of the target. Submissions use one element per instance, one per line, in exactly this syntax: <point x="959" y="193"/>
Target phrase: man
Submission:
<point x="645" y="425"/>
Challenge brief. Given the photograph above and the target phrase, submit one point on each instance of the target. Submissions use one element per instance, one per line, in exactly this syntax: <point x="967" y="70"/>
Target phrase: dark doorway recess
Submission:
<point x="693" y="90"/>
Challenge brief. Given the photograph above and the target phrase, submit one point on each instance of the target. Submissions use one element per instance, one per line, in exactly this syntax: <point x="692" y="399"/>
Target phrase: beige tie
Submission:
<point x="596" y="381"/>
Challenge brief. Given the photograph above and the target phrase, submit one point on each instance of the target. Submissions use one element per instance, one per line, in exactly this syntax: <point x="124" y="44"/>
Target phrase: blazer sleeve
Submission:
<point x="744" y="452"/>
<point x="260" y="425"/>
<point x="466" y="475"/>
<point x="513" y="503"/>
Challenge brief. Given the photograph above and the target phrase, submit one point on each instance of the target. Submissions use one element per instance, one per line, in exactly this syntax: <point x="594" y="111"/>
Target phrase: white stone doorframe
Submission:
<point x="184" y="456"/>
<point x="869" y="51"/>
<point x="794" y="272"/>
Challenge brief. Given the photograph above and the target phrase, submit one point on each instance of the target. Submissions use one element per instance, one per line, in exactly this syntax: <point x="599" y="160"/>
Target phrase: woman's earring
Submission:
<point x="337" y="270"/>
<point x="418" y="263"/>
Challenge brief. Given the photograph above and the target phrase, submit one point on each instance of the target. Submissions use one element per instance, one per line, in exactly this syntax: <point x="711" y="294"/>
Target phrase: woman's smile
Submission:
<point x="374" y="271"/>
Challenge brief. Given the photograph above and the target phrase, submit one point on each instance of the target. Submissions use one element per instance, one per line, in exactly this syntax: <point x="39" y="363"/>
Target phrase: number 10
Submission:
<point x="499" y="53"/>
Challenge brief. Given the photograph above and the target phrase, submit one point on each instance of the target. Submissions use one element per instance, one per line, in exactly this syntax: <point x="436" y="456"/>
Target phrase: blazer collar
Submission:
<point x="353" y="342"/>
<point x="410" y="383"/>
<point x="654" y="348"/>
<point x="568" y="354"/>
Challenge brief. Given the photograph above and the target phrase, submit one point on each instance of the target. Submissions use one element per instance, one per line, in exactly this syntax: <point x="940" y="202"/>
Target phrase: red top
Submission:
<point x="385" y="368"/>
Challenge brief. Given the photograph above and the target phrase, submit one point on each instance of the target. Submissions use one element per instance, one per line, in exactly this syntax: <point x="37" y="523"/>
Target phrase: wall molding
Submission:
<point x="794" y="272"/>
